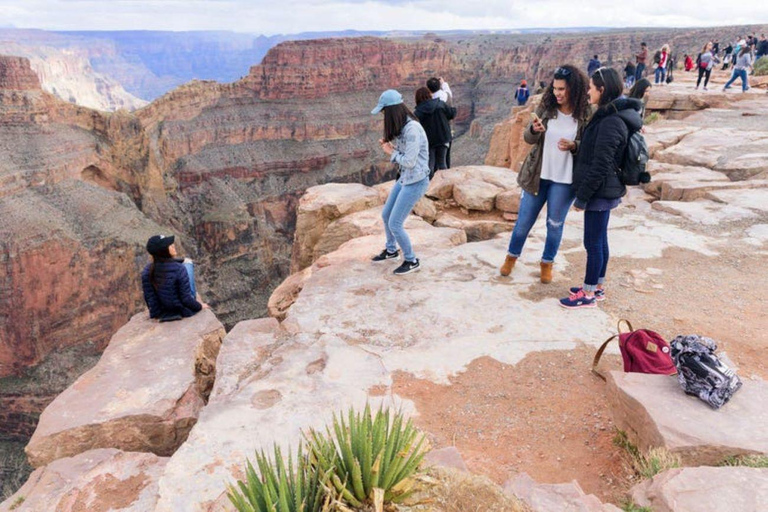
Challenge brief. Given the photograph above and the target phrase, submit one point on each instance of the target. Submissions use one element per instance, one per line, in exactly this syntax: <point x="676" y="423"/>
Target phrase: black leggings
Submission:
<point x="702" y="72"/>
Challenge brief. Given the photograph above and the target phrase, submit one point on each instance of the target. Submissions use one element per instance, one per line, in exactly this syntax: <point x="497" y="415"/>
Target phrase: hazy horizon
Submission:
<point x="293" y="16"/>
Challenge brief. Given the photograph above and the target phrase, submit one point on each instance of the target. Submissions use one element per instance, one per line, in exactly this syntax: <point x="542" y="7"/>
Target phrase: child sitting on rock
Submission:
<point x="169" y="282"/>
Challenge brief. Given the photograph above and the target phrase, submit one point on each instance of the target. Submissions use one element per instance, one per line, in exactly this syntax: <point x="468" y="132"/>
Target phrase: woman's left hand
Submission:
<point x="566" y="145"/>
<point x="387" y="147"/>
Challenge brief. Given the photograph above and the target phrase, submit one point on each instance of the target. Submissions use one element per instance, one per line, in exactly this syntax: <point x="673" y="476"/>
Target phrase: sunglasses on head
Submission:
<point x="600" y="70"/>
<point x="561" y="73"/>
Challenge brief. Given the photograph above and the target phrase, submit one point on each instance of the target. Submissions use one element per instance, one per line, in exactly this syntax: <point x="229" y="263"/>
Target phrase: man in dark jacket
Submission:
<point x="762" y="47"/>
<point x="594" y="63"/>
<point x="434" y="115"/>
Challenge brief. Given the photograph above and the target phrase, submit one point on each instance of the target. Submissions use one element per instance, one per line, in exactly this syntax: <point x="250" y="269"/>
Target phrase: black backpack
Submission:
<point x="657" y="57"/>
<point x="701" y="373"/>
<point x="634" y="161"/>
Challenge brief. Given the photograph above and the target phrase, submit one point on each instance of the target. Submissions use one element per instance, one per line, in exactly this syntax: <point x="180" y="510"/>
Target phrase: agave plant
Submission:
<point x="277" y="488"/>
<point x="367" y="459"/>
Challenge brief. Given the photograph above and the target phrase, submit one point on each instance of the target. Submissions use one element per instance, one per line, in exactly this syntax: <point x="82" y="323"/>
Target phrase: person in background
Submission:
<point x="596" y="181"/>
<point x="168" y="282"/>
<point x="542" y="87"/>
<point x="641" y="91"/>
<point x="741" y="69"/>
<point x="442" y="91"/>
<point x="546" y="175"/>
<point x="522" y="93"/>
<point x="661" y="65"/>
<point x="727" y="56"/>
<point x="687" y="62"/>
<point x="715" y="47"/>
<point x="406" y="144"/>
<point x="594" y="63"/>
<point x="641" y="59"/>
<point x="434" y="115"/>
<point x="629" y="74"/>
<point x="706" y="63"/>
<point x="762" y="47"/>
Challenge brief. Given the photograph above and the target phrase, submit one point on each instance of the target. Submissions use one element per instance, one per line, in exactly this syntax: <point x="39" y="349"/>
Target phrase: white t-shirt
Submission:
<point x="557" y="165"/>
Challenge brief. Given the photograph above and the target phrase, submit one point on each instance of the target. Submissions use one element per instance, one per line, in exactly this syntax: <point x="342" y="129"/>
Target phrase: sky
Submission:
<point x="294" y="16"/>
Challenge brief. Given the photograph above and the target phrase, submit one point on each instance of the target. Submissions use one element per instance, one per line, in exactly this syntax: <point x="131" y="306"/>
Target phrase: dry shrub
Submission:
<point x="450" y="490"/>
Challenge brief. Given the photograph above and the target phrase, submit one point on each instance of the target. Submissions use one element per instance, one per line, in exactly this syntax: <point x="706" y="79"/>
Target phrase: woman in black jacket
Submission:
<point x="434" y="115"/>
<point x="169" y="282"/>
<point x="596" y="181"/>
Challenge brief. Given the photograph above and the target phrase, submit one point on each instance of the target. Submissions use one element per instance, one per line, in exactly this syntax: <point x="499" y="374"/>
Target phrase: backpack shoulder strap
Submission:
<point x="602" y="348"/>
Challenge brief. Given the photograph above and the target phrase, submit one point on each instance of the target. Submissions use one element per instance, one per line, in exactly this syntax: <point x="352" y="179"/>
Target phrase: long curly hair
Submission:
<point x="577" y="84"/>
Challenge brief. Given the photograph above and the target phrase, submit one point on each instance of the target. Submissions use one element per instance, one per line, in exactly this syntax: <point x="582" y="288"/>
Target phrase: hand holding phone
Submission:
<point x="536" y="125"/>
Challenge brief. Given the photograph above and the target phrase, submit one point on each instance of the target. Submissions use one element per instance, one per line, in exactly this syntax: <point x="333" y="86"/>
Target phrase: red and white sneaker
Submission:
<point x="578" y="300"/>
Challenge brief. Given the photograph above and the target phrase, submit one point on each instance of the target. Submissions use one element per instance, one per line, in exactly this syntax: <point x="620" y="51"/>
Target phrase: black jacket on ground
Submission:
<point x="595" y="169"/>
<point x="173" y="295"/>
<point x="434" y="116"/>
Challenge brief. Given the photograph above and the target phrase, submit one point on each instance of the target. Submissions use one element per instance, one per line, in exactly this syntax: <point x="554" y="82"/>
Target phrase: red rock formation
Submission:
<point x="17" y="75"/>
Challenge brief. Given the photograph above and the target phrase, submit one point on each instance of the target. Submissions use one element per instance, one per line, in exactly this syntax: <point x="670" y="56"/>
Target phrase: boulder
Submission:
<point x="551" y="497"/>
<point x="475" y="194"/>
<point x="750" y="196"/>
<point x="655" y="412"/>
<point x="143" y="395"/>
<point x="285" y="294"/>
<point x="508" y="201"/>
<point x="320" y="206"/>
<point x="684" y="190"/>
<point x="705" y="489"/>
<point x="703" y="211"/>
<point x="660" y="136"/>
<point x="426" y="209"/>
<point x="96" y="481"/>
<point x="476" y="229"/>
<point x="448" y="457"/>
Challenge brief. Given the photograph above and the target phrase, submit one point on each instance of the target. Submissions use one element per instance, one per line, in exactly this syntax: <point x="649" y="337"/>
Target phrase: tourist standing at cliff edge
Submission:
<point x="596" y="181"/>
<point x="406" y="144"/>
<point x="546" y="174"/>
<point x="442" y="91"/>
<point x="661" y="59"/>
<point x="740" y="69"/>
<point x="641" y="59"/>
<point x="434" y="115"/>
<point x="168" y="282"/>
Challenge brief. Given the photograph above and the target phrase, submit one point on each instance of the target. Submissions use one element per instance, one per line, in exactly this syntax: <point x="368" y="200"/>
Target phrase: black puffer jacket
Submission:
<point x="602" y="147"/>
<point x="173" y="295"/>
<point x="434" y="116"/>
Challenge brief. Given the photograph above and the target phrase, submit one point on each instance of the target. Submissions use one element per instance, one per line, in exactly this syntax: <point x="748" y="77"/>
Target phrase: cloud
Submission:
<point x="292" y="16"/>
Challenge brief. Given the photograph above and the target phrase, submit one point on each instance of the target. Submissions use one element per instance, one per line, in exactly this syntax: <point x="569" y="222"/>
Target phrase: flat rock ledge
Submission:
<point x="550" y="497"/>
<point x="144" y="395"/>
<point x="705" y="489"/>
<point x="655" y="412"/>
<point x="94" y="481"/>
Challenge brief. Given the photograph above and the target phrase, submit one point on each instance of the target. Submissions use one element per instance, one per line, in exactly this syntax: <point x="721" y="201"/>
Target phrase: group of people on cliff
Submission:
<point x="578" y="133"/>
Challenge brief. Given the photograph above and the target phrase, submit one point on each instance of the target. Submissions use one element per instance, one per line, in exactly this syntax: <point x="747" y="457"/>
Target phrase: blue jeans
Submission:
<point x="596" y="244"/>
<point x="190" y="268"/>
<point x="399" y="204"/>
<point x="738" y="73"/>
<point x="558" y="198"/>
<point x="661" y="72"/>
<point x="639" y="72"/>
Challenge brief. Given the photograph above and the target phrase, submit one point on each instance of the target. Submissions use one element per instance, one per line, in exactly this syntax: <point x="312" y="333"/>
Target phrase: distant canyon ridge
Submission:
<point x="221" y="165"/>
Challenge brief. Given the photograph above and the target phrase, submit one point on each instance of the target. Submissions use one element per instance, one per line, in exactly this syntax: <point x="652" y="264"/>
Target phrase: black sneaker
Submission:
<point x="407" y="267"/>
<point x="385" y="255"/>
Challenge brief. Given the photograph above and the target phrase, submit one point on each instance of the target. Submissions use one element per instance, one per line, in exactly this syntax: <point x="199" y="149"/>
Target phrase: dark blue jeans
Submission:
<point x="558" y="197"/>
<point x="661" y="74"/>
<point x="639" y="72"/>
<point x="596" y="244"/>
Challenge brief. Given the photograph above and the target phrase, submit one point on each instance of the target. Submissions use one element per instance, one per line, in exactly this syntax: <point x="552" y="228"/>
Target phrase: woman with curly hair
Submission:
<point x="547" y="173"/>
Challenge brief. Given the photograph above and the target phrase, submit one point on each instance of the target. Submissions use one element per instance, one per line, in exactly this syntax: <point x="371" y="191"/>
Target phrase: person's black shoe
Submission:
<point x="407" y="267"/>
<point x="386" y="255"/>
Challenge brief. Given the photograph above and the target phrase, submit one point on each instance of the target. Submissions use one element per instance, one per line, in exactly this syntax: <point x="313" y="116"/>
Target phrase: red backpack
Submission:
<point x="643" y="351"/>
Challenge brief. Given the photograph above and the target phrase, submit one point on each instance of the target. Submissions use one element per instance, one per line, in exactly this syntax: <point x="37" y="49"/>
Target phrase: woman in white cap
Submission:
<point x="406" y="143"/>
<point x="169" y="282"/>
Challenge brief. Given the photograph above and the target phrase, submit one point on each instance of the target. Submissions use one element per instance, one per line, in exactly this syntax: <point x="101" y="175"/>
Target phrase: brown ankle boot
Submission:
<point x="546" y="272"/>
<point x="509" y="264"/>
